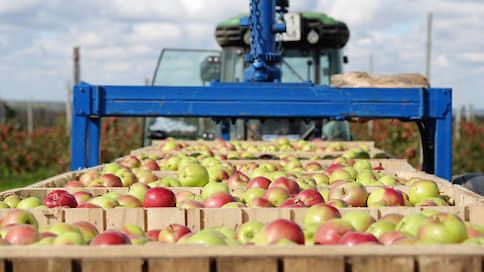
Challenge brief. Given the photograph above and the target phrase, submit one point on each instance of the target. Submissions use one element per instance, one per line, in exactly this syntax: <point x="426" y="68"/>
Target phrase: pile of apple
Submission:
<point x="323" y="225"/>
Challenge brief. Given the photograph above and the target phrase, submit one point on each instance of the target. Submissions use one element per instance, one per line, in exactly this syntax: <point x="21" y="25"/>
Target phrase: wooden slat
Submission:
<point x="218" y="217"/>
<point x="179" y="265"/>
<point x="448" y="263"/>
<point x="51" y="265"/>
<point x="93" y="216"/>
<point x="254" y="264"/>
<point x="118" y="217"/>
<point x="266" y="215"/>
<point x="47" y="217"/>
<point x="110" y="265"/>
<point x="382" y="264"/>
<point x="313" y="264"/>
<point x="159" y="218"/>
<point x="475" y="214"/>
<point x="193" y="219"/>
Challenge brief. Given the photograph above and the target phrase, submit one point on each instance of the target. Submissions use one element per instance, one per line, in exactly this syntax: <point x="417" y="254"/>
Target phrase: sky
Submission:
<point x="121" y="40"/>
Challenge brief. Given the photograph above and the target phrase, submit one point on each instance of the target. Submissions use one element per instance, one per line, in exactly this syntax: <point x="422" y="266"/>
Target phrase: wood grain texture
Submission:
<point x="382" y="264"/>
<point x="111" y="265"/>
<point x="218" y="217"/>
<point x="160" y="218"/>
<point x="51" y="265"/>
<point x="179" y="265"/>
<point x="228" y="264"/>
<point x="93" y="216"/>
<point x="118" y="217"/>
<point x="313" y="264"/>
<point x="449" y="263"/>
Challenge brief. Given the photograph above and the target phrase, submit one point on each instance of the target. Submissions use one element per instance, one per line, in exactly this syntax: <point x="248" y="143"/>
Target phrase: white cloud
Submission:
<point x="442" y="61"/>
<point x="473" y="56"/>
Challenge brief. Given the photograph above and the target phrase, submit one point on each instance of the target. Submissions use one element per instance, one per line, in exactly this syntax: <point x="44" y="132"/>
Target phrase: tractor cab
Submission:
<point x="311" y="50"/>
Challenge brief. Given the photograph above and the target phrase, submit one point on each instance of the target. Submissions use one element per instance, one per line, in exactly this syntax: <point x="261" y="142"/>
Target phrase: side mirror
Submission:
<point x="345" y="59"/>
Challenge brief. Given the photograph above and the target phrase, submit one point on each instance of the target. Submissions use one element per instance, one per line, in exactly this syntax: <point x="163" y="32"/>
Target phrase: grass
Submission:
<point x="22" y="180"/>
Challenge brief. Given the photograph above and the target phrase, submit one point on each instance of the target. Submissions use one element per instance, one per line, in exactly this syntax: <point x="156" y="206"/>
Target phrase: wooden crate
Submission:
<point x="166" y="257"/>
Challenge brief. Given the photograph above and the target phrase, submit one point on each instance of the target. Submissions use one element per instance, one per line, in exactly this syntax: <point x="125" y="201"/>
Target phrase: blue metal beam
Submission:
<point x="261" y="100"/>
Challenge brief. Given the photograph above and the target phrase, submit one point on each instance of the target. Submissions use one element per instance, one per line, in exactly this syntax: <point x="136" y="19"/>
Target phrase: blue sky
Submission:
<point x="121" y="39"/>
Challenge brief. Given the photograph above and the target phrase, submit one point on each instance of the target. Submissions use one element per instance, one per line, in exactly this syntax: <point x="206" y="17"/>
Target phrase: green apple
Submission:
<point x="227" y="232"/>
<point x="29" y="203"/>
<point x="423" y="189"/>
<point x="388" y="180"/>
<point x="352" y="171"/>
<point x="274" y="175"/>
<point x="366" y="177"/>
<point x="169" y="182"/>
<point x="411" y="223"/>
<point x="69" y="238"/>
<point x="47" y="241"/>
<point x="380" y="227"/>
<point x="359" y="220"/>
<point x="444" y="227"/>
<point x="207" y="237"/>
<point x="104" y="201"/>
<point x="113" y="195"/>
<point x="41" y="207"/>
<point x="309" y="231"/>
<point x="4" y="205"/>
<point x="171" y="164"/>
<point x="18" y="216"/>
<point x="361" y="165"/>
<point x="138" y="190"/>
<point x="339" y="174"/>
<point x="320" y="213"/>
<point x="251" y="194"/>
<point x="325" y="194"/>
<point x="110" y="168"/>
<point x="193" y="175"/>
<point x="321" y="179"/>
<point x="127" y="177"/>
<point x="259" y="172"/>
<point x="12" y="201"/>
<point x="131" y="229"/>
<point x="247" y="232"/>
<point x="476" y="241"/>
<point x="214" y="187"/>
<point x="185" y="161"/>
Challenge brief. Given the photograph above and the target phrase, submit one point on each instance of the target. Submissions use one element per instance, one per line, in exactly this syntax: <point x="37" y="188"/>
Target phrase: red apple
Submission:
<point x="320" y="213"/>
<point x="129" y="201"/>
<point x="130" y="162"/>
<point x="111" y="180"/>
<point x="389" y="196"/>
<point x="237" y="179"/>
<point x="292" y="203"/>
<point x="88" y="177"/>
<point x="217" y="200"/>
<point x="259" y="182"/>
<point x="172" y="233"/>
<point x="150" y="164"/>
<point x="280" y="229"/>
<point x="260" y="202"/>
<point x="310" y="197"/>
<point x="60" y="198"/>
<point x="73" y="184"/>
<point x="189" y="204"/>
<point x="389" y="237"/>
<point x="331" y="231"/>
<point x="82" y="196"/>
<point x="110" y="237"/>
<point x="276" y="195"/>
<point x="153" y="234"/>
<point x="88" y="205"/>
<point x="287" y="183"/>
<point x="88" y="230"/>
<point x="159" y="197"/>
<point x="354" y="194"/>
<point x="353" y="238"/>
<point x="22" y="234"/>
<point x="392" y="217"/>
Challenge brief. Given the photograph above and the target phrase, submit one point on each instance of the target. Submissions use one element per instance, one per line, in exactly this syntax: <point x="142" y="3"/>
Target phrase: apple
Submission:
<point x="333" y="167"/>
<point x="380" y="227"/>
<point x="361" y="165"/>
<point x="110" y="237"/>
<point x="276" y="195"/>
<point x="388" y="180"/>
<point x="131" y="162"/>
<point x="340" y="174"/>
<point x="259" y="182"/>
<point x="353" y="238"/>
<point x="87" y="229"/>
<point x="238" y="179"/>
<point x="29" y="203"/>
<point x="89" y="177"/>
<point x="389" y="196"/>
<point x="193" y="175"/>
<point x="309" y="231"/>
<point x="259" y="172"/>
<point x="82" y="196"/>
<point x="146" y="176"/>
<point x="60" y="198"/>
<point x="214" y="187"/>
<point x="280" y="229"/>
<point x="149" y="164"/>
<point x="217" y="173"/>
<point x="354" y="194"/>
<point x="189" y="204"/>
<point x="321" y="179"/>
<point x="131" y="229"/>
<point x="184" y="195"/>
<point x="310" y="197"/>
<point x="392" y="217"/>
<point x="360" y="220"/>
<point x="138" y="190"/>
<point x="217" y="200"/>
<point x="320" y="213"/>
<point x="248" y="231"/>
<point x="411" y="223"/>
<point x="22" y="234"/>
<point x="4" y="205"/>
<point x="477" y="241"/>
<point x="312" y="167"/>
<point x="422" y="189"/>
<point x="260" y="202"/>
<point x="19" y="217"/>
<point x="292" y="203"/>
<point x="12" y="201"/>
<point x="73" y="184"/>
<point x="331" y="231"/>
<point x="305" y="183"/>
<point x="235" y="205"/>
<point x="153" y="234"/>
<point x="129" y="201"/>
<point x="69" y="238"/>
<point x="444" y="227"/>
<point x="474" y="230"/>
<point x="60" y="228"/>
<point x="287" y="183"/>
<point x="207" y="237"/>
<point x="89" y="205"/>
<point x="338" y="203"/>
<point x="387" y="238"/>
<point x="159" y="197"/>
<point x="127" y="177"/>
<point x="366" y="177"/>
<point x="111" y="180"/>
<point x="113" y="195"/>
<point x="104" y="202"/>
<point x="324" y="193"/>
